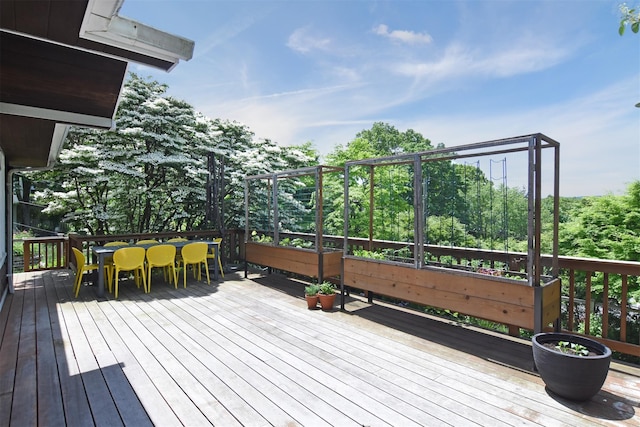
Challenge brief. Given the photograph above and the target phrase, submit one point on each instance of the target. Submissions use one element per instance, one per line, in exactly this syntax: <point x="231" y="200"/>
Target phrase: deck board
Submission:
<point x="248" y="353"/>
<point x="25" y="403"/>
<point x="50" y="410"/>
<point x="74" y="399"/>
<point x="419" y="385"/>
<point x="11" y="313"/>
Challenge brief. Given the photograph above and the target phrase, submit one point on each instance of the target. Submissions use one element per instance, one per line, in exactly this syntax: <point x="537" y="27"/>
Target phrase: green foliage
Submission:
<point x="605" y="227"/>
<point x="572" y="348"/>
<point x="629" y="17"/>
<point x="393" y="216"/>
<point x="327" y="288"/>
<point x="312" y="289"/>
<point x="260" y="238"/>
<point x="368" y="254"/>
<point x="18" y="247"/>
<point x="380" y="141"/>
<point x="296" y="243"/>
<point x="448" y="231"/>
<point x="595" y="325"/>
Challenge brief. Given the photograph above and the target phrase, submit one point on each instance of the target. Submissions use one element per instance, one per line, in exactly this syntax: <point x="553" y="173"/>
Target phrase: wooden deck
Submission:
<point x="248" y="352"/>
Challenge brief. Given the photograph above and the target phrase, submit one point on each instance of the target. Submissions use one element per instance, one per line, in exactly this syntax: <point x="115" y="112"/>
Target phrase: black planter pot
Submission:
<point x="567" y="375"/>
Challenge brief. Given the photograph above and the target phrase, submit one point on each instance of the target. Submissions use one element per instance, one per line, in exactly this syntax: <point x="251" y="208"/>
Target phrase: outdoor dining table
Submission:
<point x="102" y="252"/>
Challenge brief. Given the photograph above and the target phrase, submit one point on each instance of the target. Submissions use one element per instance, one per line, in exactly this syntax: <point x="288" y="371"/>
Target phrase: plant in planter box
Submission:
<point x="311" y="295"/>
<point x="327" y="295"/>
<point x="572" y="366"/>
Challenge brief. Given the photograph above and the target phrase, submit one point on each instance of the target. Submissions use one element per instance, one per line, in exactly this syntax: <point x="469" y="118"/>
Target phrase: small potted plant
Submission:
<point x="572" y="366"/>
<point x="327" y="295"/>
<point x="311" y="295"/>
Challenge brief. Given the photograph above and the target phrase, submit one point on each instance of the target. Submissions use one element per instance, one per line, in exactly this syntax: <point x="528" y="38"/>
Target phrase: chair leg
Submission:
<point x="206" y="269"/>
<point x="115" y="282"/>
<point x="184" y="275"/>
<point x="140" y="272"/>
<point x="172" y="270"/>
<point x="77" y="282"/>
<point x="108" y="269"/>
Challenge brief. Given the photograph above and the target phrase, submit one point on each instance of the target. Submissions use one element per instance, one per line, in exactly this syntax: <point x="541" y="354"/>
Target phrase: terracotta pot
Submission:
<point x="571" y="376"/>
<point x="312" y="301"/>
<point x="326" y="301"/>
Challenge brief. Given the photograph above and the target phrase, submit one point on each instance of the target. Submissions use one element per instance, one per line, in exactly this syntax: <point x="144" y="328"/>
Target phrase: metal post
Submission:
<point x="345" y="246"/>
<point x="276" y="219"/>
<point x="246" y="223"/>
<point x="418" y="213"/>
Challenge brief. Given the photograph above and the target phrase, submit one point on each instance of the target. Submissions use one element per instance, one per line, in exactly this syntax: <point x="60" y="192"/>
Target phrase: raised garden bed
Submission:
<point x="306" y="262"/>
<point x="431" y="200"/>
<point x="499" y="299"/>
<point x="285" y="222"/>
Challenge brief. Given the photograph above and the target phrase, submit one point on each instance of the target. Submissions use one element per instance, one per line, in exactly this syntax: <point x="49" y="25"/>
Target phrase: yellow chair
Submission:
<point x="195" y="254"/>
<point x="116" y="243"/>
<point x="147" y="242"/>
<point x="81" y="268"/>
<point x="162" y="256"/>
<point x="178" y="239"/>
<point x="108" y="262"/>
<point x="129" y="259"/>
<point x="212" y="254"/>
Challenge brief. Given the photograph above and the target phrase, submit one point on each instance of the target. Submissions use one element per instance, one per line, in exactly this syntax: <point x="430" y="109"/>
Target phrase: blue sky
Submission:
<point x="458" y="72"/>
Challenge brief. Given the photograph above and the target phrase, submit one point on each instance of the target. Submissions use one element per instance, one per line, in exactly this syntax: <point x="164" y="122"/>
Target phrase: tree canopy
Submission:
<point x="150" y="173"/>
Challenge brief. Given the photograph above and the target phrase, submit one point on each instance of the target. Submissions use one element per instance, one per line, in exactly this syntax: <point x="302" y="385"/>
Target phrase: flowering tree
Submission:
<point x="150" y="173"/>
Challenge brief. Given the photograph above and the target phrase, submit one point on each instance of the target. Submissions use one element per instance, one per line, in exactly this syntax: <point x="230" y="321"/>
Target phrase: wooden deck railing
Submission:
<point x="44" y="253"/>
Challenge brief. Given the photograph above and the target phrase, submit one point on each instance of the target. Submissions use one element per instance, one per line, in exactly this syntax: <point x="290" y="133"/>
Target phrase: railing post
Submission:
<point x="26" y="257"/>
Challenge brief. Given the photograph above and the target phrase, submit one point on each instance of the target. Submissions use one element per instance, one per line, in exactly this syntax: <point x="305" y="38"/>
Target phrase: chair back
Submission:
<point x="146" y="242"/>
<point x="129" y="258"/>
<point x="178" y="239"/>
<point x="116" y="243"/>
<point x="194" y="252"/>
<point x="161" y="255"/>
<point x="217" y="240"/>
<point x="80" y="260"/>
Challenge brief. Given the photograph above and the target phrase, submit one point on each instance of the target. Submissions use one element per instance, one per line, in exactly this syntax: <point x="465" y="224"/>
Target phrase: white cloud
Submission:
<point x="301" y="40"/>
<point x="223" y="34"/>
<point x="403" y="36"/>
<point x="458" y="61"/>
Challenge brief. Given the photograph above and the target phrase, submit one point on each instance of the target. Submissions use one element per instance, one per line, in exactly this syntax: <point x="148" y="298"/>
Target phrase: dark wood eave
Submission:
<point x="51" y="77"/>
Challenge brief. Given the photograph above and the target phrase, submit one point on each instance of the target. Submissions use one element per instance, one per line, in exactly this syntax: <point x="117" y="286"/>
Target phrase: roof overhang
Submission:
<point x="102" y="24"/>
<point x="63" y="63"/>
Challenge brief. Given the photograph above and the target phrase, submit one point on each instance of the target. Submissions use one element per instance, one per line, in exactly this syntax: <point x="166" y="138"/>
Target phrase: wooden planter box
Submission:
<point x="498" y="299"/>
<point x="305" y="262"/>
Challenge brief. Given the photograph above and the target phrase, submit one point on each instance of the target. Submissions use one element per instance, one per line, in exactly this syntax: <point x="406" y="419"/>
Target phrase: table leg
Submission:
<point x="100" y="275"/>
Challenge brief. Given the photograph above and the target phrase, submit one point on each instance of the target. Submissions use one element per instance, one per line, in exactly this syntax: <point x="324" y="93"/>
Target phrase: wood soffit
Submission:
<point x="49" y="75"/>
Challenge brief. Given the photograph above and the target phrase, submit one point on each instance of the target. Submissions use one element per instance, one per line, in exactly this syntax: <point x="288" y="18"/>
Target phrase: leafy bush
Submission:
<point x="312" y="290"/>
<point x="368" y="254"/>
<point x="18" y="248"/>
<point x="327" y="288"/>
